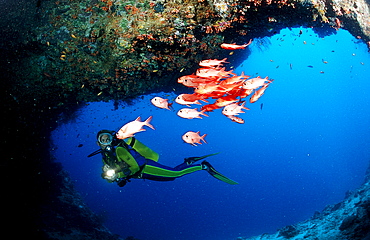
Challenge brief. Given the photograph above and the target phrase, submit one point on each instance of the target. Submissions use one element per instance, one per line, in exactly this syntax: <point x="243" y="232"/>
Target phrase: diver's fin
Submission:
<point x="211" y="170"/>
<point x="191" y="160"/>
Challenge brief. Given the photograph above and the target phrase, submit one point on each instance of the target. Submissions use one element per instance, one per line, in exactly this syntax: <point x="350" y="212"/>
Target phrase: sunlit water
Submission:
<point x="304" y="149"/>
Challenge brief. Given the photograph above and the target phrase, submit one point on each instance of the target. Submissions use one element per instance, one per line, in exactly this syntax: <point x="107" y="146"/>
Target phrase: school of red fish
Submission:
<point x="213" y="81"/>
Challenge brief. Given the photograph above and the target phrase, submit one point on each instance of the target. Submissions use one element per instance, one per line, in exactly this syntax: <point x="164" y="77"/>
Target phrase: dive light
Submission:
<point x="109" y="173"/>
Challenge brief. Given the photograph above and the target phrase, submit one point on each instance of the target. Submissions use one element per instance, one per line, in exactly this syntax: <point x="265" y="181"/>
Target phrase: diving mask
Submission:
<point x="105" y="139"/>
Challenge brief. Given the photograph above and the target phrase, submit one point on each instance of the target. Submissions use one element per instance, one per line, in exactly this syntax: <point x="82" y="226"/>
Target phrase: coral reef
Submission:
<point x="116" y="49"/>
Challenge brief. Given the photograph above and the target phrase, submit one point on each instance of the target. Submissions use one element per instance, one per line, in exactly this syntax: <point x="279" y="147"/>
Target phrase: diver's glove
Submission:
<point x="122" y="181"/>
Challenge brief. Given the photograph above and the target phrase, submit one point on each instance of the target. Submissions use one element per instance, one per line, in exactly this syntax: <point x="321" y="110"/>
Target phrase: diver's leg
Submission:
<point x="156" y="171"/>
<point x="182" y="166"/>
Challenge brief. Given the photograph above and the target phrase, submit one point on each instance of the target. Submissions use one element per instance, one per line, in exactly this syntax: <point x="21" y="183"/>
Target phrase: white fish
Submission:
<point x="233" y="109"/>
<point x="255" y="83"/>
<point x="190" y="113"/>
<point x="193" y="138"/>
<point x="161" y="103"/>
<point x="129" y="129"/>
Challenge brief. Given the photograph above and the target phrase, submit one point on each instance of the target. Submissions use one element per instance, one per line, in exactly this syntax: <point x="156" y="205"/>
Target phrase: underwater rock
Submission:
<point x="68" y="216"/>
<point x="104" y="49"/>
<point x="288" y="232"/>
<point x="349" y="219"/>
<point x="348" y="222"/>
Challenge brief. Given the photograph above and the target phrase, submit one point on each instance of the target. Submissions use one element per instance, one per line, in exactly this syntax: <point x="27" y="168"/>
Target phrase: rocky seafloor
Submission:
<point x="56" y="55"/>
<point x="346" y="220"/>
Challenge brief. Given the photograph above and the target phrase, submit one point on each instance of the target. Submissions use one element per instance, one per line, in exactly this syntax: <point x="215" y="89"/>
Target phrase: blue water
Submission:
<point x="307" y="146"/>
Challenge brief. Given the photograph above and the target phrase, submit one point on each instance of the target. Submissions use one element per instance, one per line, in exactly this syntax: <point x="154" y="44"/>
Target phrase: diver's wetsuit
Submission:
<point x="132" y="159"/>
<point x="135" y="160"/>
<point x="158" y="172"/>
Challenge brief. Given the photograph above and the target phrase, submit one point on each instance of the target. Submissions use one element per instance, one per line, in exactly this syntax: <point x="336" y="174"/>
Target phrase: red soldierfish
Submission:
<point x="255" y="83"/>
<point x="193" y="138"/>
<point x="208" y="88"/>
<point x="233" y="109"/>
<point x="194" y="82"/>
<point x="161" y="103"/>
<point x="245" y="93"/>
<point x="234" y="79"/>
<point x="234" y="46"/>
<point x="212" y="62"/>
<point x="181" y="79"/>
<point x="231" y="87"/>
<point x="192" y="97"/>
<point x="209" y="107"/>
<point x="190" y="113"/>
<point x="213" y="73"/>
<point x="181" y="100"/>
<point x="236" y="119"/>
<point x="129" y="129"/>
<point x="226" y="100"/>
<point x="257" y="94"/>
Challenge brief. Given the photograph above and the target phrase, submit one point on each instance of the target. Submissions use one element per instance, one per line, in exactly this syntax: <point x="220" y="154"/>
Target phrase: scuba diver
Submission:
<point x="129" y="158"/>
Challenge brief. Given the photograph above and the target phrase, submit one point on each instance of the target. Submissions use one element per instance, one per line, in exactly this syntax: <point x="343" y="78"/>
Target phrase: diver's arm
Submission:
<point x="142" y="149"/>
<point x="125" y="156"/>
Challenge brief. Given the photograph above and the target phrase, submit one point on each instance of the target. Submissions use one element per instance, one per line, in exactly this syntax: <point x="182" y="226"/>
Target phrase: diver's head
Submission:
<point x="105" y="139"/>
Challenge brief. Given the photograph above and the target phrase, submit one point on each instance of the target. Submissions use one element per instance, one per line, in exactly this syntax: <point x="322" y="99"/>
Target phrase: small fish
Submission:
<point x="213" y="73"/>
<point x="129" y="129"/>
<point x="291" y="66"/>
<point x="245" y="92"/>
<point x="190" y="113"/>
<point x="80" y="145"/>
<point x="257" y="94"/>
<point x="226" y="100"/>
<point x="208" y="88"/>
<point x="181" y="100"/>
<point x="337" y="24"/>
<point x="234" y="79"/>
<point x="193" y="138"/>
<point x="310" y="66"/>
<point x="209" y="107"/>
<point x="255" y="83"/>
<point x="234" y="109"/>
<point x="212" y="62"/>
<point x="161" y="103"/>
<point x="236" y="119"/>
<point x="261" y="106"/>
<point x="234" y="46"/>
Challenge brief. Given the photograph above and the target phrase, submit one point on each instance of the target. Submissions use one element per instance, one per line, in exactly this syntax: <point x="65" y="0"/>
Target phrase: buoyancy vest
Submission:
<point x="121" y="159"/>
